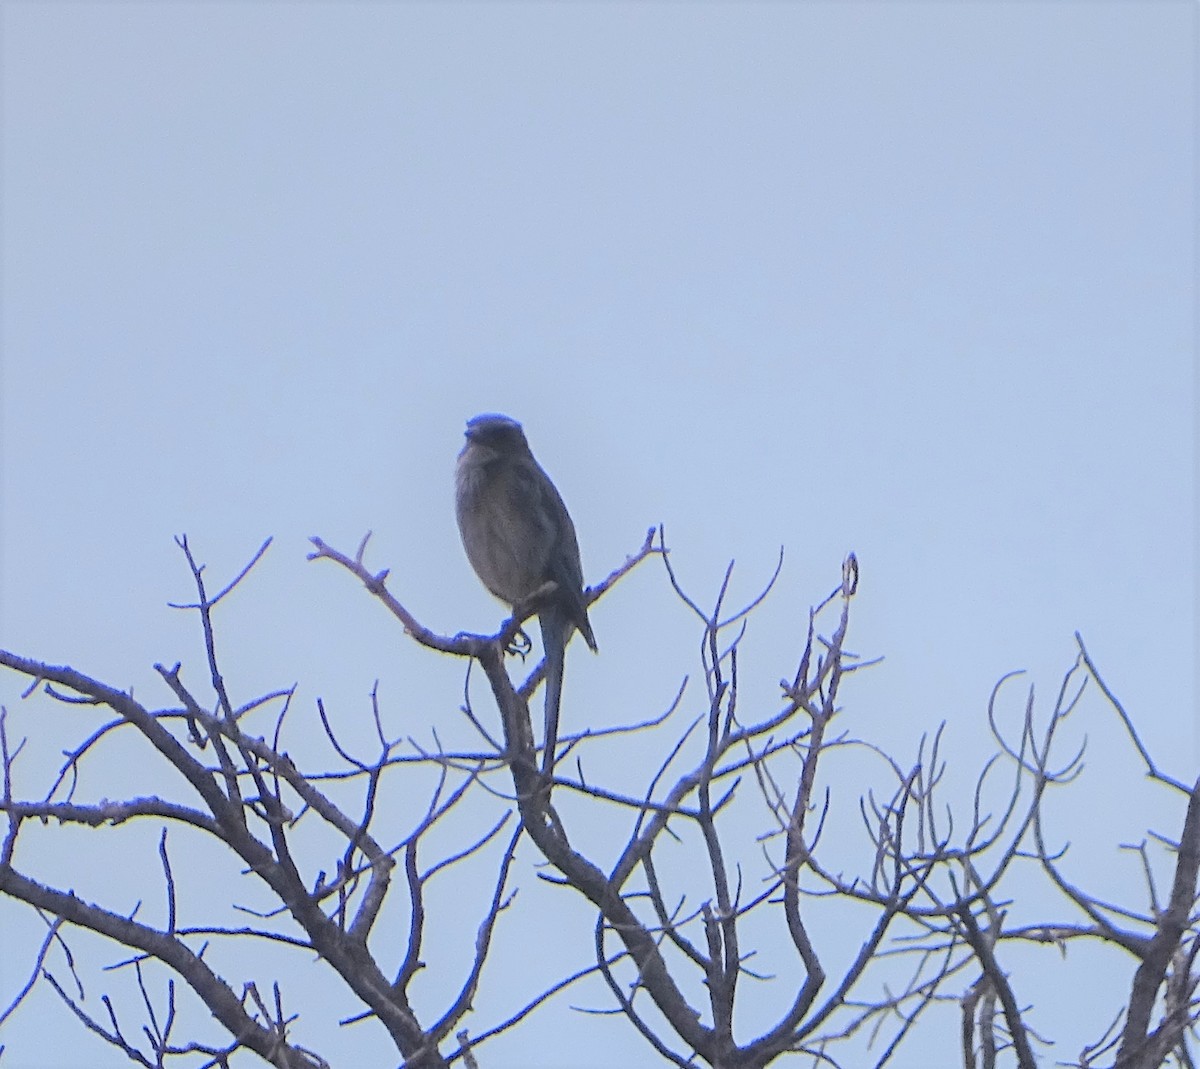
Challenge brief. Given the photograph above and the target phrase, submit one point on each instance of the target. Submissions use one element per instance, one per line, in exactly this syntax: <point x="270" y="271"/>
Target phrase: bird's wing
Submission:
<point x="565" y="567"/>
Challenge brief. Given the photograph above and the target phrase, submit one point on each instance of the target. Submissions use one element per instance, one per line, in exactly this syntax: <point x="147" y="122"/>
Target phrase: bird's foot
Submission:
<point x="519" y="644"/>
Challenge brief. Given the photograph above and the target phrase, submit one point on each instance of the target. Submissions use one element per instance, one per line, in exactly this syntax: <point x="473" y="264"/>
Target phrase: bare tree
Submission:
<point x="715" y="945"/>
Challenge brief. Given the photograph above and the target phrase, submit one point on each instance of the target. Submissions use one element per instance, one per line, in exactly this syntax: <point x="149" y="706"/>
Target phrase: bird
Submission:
<point x="519" y="537"/>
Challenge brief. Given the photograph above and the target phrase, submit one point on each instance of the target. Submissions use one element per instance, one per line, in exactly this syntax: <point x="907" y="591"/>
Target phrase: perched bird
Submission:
<point x="518" y="536"/>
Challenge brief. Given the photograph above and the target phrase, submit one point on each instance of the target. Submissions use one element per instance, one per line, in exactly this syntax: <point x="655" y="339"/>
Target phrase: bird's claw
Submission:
<point x="520" y="644"/>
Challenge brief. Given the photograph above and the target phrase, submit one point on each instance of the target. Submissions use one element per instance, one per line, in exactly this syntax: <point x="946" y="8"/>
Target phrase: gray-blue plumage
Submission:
<point x="518" y="536"/>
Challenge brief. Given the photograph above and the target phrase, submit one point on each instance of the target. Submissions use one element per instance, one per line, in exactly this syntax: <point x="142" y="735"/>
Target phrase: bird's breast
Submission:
<point x="499" y="538"/>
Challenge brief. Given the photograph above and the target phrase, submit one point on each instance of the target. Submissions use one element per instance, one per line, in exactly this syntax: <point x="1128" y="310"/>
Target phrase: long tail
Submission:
<point x="555" y="625"/>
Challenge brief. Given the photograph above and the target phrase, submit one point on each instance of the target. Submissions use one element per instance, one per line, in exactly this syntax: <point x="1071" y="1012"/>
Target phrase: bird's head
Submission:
<point x="493" y="435"/>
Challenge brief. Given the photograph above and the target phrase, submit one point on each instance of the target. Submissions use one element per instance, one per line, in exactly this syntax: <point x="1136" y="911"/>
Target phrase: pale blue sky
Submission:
<point x="914" y="280"/>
